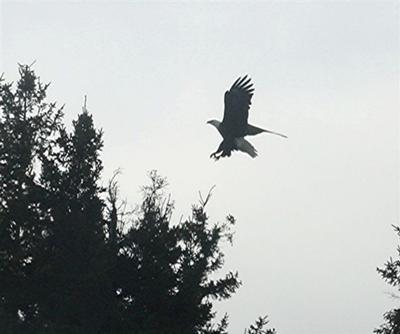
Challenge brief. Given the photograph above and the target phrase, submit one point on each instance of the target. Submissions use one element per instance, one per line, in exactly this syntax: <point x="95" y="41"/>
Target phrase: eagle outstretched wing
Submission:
<point x="237" y="104"/>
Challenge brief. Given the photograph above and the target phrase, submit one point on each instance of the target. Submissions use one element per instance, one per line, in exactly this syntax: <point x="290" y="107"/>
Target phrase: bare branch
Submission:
<point x="203" y="202"/>
<point x="84" y="109"/>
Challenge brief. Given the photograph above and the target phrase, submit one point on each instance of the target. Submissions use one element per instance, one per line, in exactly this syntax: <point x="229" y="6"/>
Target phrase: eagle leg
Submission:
<point x="220" y="152"/>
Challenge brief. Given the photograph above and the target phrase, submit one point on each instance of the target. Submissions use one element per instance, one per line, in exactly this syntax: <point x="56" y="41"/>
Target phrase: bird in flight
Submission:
<point x="234" y="126"/>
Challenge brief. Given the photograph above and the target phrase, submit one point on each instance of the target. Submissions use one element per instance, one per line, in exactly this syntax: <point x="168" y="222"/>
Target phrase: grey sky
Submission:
<point x="314" y="211"/>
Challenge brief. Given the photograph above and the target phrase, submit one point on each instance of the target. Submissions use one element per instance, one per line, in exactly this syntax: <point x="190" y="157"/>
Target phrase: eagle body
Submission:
<point x="234" y="126"/>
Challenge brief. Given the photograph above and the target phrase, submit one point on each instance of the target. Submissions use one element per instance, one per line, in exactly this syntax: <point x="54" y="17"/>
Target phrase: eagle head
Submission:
<point x="214" y="122"/>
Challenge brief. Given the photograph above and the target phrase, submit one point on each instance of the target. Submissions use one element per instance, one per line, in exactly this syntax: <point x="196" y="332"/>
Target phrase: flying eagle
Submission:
<point x="234" y="126"/>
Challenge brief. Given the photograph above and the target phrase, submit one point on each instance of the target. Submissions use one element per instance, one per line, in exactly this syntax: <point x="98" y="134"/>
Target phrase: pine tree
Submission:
<point x="27" y="123"/>
<point x="54" y="265"/>
<point x="68" y="261"/>
<point x="391" y="274"/>
<point x="78" y="292"/>
<point x="165" y="268"/>
<point x="259" y="327"/>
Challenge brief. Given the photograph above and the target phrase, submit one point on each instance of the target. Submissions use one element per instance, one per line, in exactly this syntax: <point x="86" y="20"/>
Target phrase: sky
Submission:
<point x="314" y="211"/>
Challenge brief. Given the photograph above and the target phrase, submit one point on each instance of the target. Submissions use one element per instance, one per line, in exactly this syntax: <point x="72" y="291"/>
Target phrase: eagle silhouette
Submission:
<point x="234" y="126"/>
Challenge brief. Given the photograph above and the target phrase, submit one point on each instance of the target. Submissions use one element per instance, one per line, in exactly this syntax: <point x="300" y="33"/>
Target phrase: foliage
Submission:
<point x="28" y="126"/>
<point x="172" y="265"/>
<point x="72" y="259"/>
<point x="259" y="327"/>
<point x="391" y="274"/>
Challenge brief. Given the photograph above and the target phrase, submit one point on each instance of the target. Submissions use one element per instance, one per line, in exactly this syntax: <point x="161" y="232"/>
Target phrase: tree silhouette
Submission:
<point x="73" y="260"/>
<point x="27" y="124"/>
<point x="259" y="327"/>
<point x="391" y="274"/>
<point x="172" y="264"/>
<point x="77" y="267"/>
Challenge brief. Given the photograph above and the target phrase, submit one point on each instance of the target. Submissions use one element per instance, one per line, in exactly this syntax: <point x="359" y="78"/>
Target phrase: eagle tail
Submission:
<point x="244" y="146"/>
<point x="253" y="130"/>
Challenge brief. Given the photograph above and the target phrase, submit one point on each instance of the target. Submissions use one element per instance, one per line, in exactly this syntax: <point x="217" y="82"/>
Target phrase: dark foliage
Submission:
<point x="391" y="274"/>
<point x="28" y="126"/>
<point x="172" y="266"/>
<point x="259" y="327"/>
<point x="72" y="259"/>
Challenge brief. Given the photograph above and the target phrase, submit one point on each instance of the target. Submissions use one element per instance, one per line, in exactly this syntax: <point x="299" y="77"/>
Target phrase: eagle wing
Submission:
<point x="237" y="104"/>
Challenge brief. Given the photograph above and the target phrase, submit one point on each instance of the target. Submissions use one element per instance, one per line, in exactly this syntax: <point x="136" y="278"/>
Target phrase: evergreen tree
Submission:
<point x="67" y="264"/>
<point x="26" y="124"/>
<point x="78" y="293"/>
<point x="54" y="269"/>
<point x="391" y="274"/>
<point x="165" y="268"/>
<point x="259" y="327"/>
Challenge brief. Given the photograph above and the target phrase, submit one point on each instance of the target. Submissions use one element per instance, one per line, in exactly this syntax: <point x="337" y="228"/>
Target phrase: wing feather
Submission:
<point x="237" y="105"/>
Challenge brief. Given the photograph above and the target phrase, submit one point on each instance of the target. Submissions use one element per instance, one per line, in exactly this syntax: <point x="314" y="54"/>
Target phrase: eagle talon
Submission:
<point x="214" y="156"/>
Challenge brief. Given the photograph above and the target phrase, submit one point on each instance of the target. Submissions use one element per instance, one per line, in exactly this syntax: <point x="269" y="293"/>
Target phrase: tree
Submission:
<point x="54" y="275"/>
<point x="72" y="259"/>
<point x="391" y="274"/>
<point x="77" y="266"/>
<point x="171" y="264"/>
<point x="27" y="123"/>
<point x="259" y="327"/>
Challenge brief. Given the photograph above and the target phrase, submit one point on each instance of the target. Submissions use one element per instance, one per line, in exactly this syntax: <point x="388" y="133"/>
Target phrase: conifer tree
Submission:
<point x="67" y="264"/>
<point x="259" y="327"/>
<point x="391" y="274"/>
<point x="27" y="122"/>
<point x="171" y="290"/>
<point x="78" y="289"/>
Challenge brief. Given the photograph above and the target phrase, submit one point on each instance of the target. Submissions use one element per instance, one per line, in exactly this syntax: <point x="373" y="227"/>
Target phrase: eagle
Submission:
<point x="234" y="126"/>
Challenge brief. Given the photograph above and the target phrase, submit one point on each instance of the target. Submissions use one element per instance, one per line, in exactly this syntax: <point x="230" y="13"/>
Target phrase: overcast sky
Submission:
<point x="314" y="211"/>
